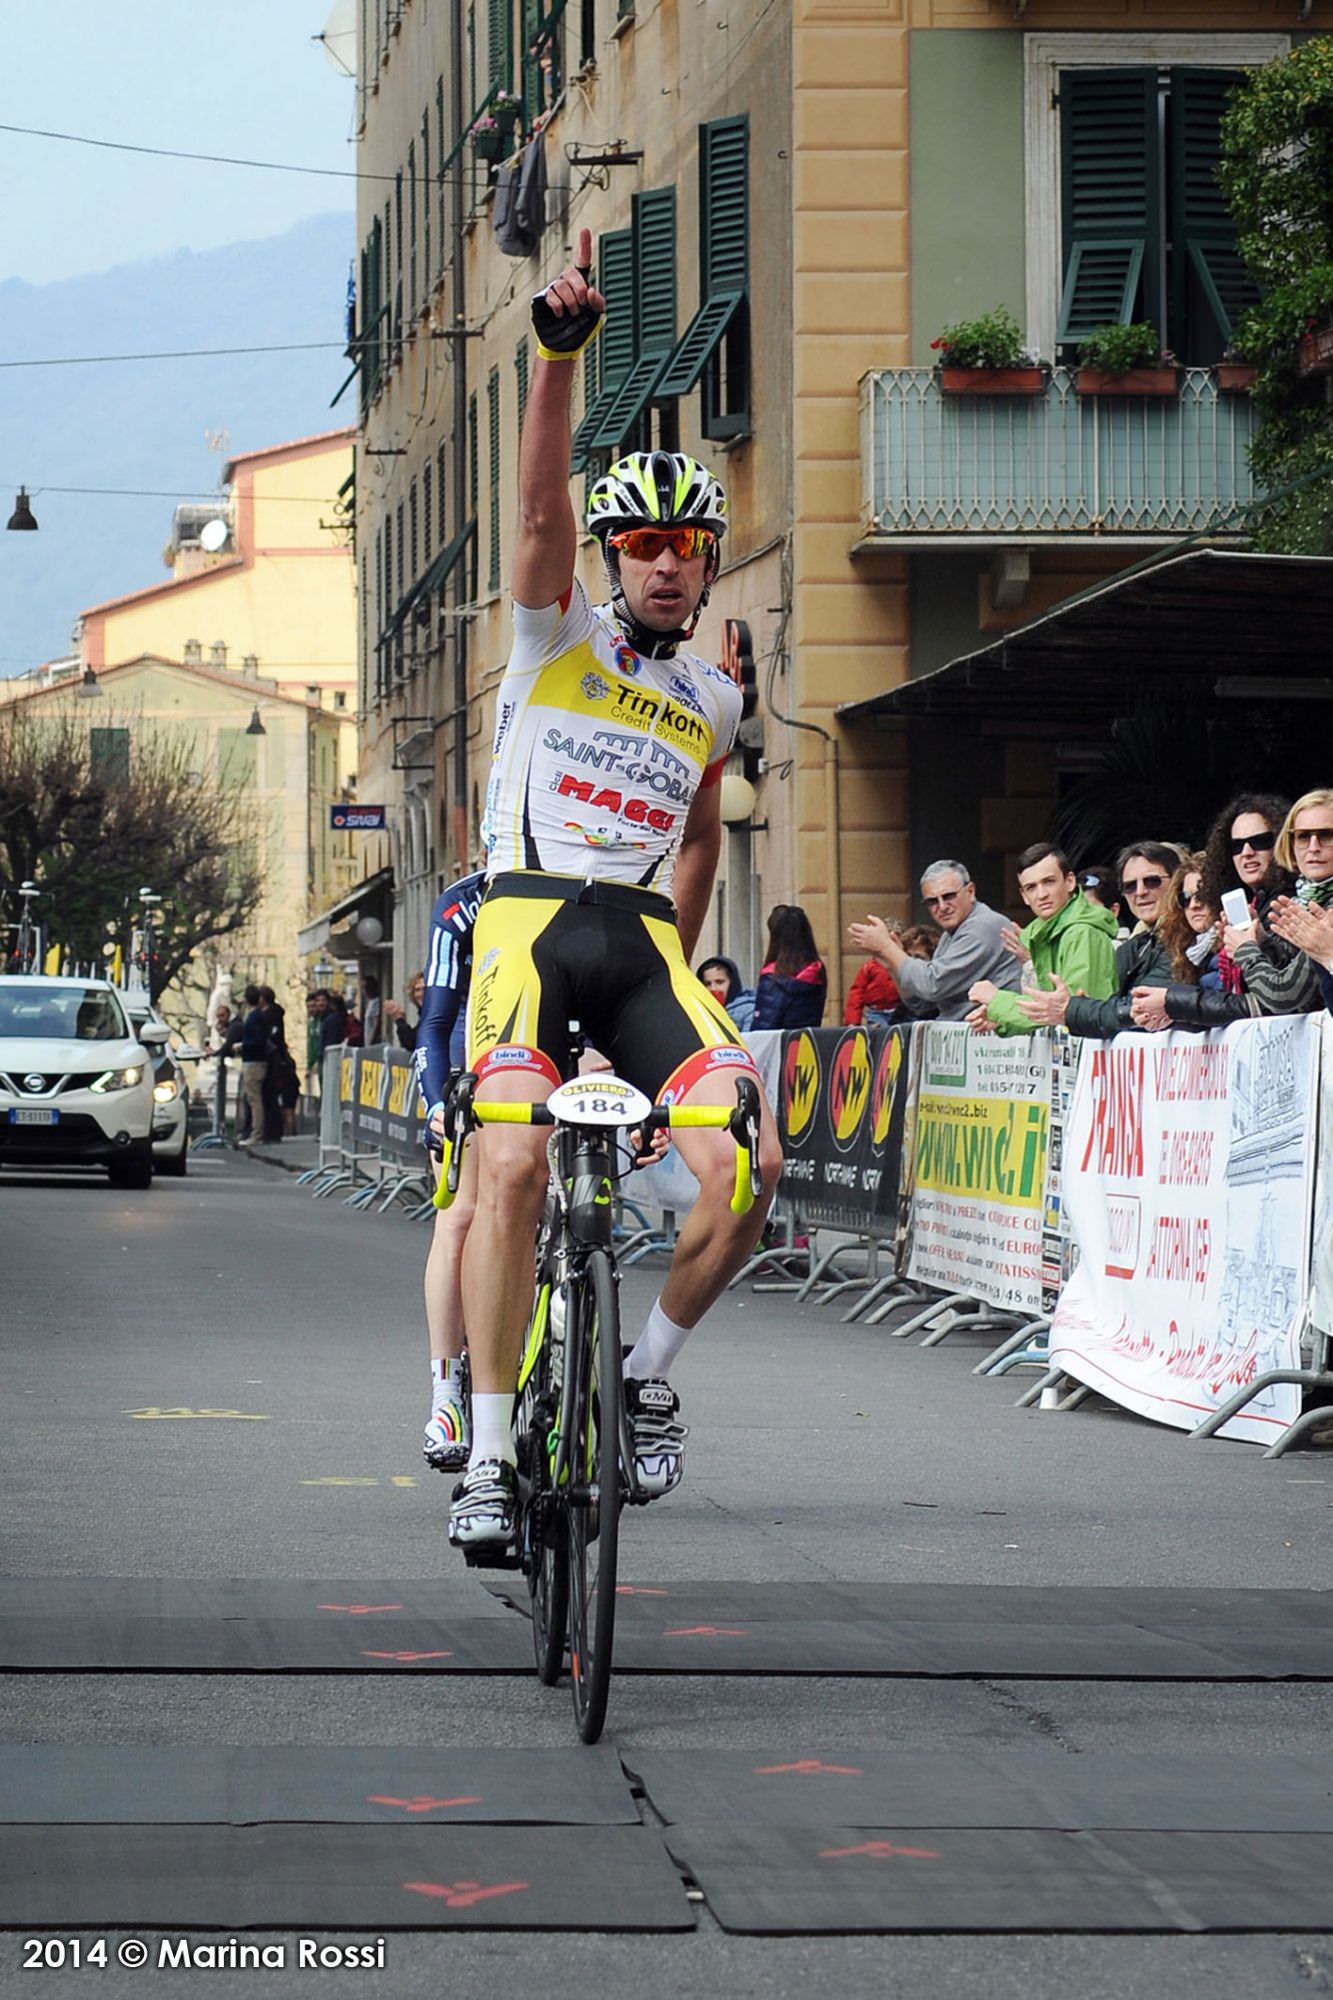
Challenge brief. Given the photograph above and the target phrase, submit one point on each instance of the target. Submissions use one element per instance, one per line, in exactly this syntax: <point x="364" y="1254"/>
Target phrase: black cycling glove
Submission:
<point x="560" y="336"/>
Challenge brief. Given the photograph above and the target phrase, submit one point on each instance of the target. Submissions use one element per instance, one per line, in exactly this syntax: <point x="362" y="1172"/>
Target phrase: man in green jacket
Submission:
<point x="1069" y="939"/>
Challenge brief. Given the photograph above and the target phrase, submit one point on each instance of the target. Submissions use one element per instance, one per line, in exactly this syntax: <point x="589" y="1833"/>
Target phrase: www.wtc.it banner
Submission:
<point x="840" y="1117"/>
<point x="1188" y="1174"/>
<point x="979" y="1165"/>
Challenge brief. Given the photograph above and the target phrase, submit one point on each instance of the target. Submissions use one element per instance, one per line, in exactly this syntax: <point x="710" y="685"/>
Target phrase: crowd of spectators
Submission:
<point x="1168" y="937"/>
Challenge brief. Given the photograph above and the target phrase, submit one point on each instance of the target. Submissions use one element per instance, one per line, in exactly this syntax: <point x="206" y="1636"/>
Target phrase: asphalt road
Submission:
<point x="818" y="1452"/>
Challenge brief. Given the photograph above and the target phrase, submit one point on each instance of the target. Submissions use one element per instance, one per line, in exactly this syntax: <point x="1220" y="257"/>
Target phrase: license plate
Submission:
<point x="33" y="1114"/>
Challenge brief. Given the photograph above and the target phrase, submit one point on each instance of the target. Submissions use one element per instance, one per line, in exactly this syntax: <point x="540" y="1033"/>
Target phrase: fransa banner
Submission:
<point x="1188" y="1169"/>
<point x="978" y="1158"/>
<point x="840" y="1117"/>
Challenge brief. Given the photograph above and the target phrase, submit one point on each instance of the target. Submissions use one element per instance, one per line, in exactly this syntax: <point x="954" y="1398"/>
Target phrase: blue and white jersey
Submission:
<point x="441" y="1033"/>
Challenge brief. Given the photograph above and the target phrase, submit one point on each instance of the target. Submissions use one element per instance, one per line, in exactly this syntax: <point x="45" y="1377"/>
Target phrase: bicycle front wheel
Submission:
<point x="594" y="1494"/>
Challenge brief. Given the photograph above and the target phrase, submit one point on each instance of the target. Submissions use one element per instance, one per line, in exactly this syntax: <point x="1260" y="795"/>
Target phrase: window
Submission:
<point x="521" y="380"/>
<point x="398" y="263"/>
<point x="441" y="490"/>
<point x="1174" y="79"/>
<point x="427" y="271"/>
<point x="109" y="756"/>
<point x="716" y="345"/>
<point x="615" y="343"/>
<point x="499" y="44"/>
<point x="493" y="419"/>
<point x="1147" y="235"/>
<point x="441" y="155"/>
<point x="542" y="77"/>
<point x="412" y="293"/>
<point x="427" y="477"/>
<point x="370" y="353"/>
<point x="653" y="268"/>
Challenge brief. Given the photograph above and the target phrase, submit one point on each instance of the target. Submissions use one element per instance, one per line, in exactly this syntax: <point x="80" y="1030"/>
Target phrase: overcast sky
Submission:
<point x="234" y="76"/>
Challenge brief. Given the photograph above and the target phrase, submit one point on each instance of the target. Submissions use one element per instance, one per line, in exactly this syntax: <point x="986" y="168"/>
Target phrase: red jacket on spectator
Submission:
<point x="873" y="986"/>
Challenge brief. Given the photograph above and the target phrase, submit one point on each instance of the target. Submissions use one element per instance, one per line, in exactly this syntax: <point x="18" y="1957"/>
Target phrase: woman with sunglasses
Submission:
<point x="1272" y="971"/>
<point x="1304" y="921"/>
<point x="1239" y="850"/>
<point x="1207" y="988"/>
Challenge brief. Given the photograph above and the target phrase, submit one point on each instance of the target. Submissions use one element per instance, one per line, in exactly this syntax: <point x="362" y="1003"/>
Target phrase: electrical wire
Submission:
<point x="178" y="354"/>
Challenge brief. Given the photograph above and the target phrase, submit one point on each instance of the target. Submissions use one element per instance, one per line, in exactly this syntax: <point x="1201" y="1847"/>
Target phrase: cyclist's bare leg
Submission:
<point x="714" y="1243"/>
<point x="498" y="1256"/>
<point x="443" y="1286"/>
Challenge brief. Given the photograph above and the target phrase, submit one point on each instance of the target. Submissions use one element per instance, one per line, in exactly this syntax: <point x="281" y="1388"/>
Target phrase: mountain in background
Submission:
<point x="147" y="424"/>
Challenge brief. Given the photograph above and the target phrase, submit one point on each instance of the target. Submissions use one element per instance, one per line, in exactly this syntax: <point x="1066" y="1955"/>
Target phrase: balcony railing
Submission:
<point x="1018" y="467"/>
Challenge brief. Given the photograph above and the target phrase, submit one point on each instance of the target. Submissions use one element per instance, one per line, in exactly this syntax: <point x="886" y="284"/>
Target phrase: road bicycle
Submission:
<point x="574" y="1449"/>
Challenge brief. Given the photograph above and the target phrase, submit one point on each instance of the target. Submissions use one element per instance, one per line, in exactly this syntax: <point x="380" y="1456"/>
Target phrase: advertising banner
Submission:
<point x="979" y="1164"/>
<point x="840" y="1116"/>
<point x="404" y="1113"/>
<point x="1188" y="1185"/>
<point x="1321" y="1266"/>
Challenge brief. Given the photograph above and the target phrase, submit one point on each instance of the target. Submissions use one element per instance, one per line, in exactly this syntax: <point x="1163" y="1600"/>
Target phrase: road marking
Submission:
<point x="155" y="1412"/>
<point x="338" y="1479"/>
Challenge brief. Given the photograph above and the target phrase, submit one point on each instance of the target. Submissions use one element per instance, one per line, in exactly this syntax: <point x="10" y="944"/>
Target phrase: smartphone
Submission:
<point x="1235" y="908"/>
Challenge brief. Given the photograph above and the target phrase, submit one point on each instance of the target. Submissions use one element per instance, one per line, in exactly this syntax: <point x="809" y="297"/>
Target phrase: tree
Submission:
<point x="1276" y="172"/>
<point x="92" y="830"/>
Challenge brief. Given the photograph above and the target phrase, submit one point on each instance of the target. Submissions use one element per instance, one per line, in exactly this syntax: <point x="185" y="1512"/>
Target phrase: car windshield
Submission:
<point x="60" y="1014"/>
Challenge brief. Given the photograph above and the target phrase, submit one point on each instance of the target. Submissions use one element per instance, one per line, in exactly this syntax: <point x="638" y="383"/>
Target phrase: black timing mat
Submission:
<point x="102" y="1784"/>
<point x="357" y="1878"/>
<point x="990" y="1630"/>
<point x="776" y="1880"/>
<point x="89" y="1625"/>
<point x="1002" y="1788"/>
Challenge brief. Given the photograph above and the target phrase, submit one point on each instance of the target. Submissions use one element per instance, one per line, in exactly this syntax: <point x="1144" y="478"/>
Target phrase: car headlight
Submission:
<point x="117" y="1079"/>
<point x="165" y="1092"/>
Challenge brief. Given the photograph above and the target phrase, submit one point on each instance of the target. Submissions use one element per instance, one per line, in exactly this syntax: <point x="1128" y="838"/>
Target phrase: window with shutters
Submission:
<point x="412" y="293"/>
<point x="1124" y="219"/>
<point x="1147" y="235"/>
<point x="521" y="380"/>
<point x="614" y="346"/>
<point x="427" y="271"/>
<point x="109" y="756"/>
<point x="621" y="426"/>
<point x="715" y="349"/>
<point x="493" y="421"/>
<point x="543" y="78"/>
<point x="399" y="265"/>
<point x="427" y="498"/>
<point x="499" y="44"/>
<point x="414" y="533"/>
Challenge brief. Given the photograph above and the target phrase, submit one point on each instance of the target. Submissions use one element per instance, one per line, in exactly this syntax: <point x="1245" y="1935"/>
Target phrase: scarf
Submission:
<point x="1314" y="892"/>
<point x="1202" y="947"/>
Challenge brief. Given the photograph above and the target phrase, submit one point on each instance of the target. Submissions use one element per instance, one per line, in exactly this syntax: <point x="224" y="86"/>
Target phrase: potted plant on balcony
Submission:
<point x="1118" y="360"/>
<point x="1235" y="377"/>
<point x="506" y="107"/>
<point x="488" y="139"/>
<point x="985" y="356"/>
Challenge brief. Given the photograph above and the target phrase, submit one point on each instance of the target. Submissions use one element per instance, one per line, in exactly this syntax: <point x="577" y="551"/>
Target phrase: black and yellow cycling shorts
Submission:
<point x="549" y="949"/>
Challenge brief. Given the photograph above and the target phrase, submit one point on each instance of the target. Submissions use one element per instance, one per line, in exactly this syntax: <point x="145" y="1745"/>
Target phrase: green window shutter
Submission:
<point x="521" y="379"/>
<point x="1210" y="286"/>
<point x="427" y="506"/>
<point x="499" y="43"/>
<point x="493" y="418"/>
<point x="1112" y="199"/>
<point x="653" y="261"/>
<point x="724" y="249"/>
<point x="615" y="281"/>
<point x="109" y="756"/>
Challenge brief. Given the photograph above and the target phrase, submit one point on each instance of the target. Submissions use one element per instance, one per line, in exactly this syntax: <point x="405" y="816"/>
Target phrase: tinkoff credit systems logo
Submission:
<point x="800" y="1086"/>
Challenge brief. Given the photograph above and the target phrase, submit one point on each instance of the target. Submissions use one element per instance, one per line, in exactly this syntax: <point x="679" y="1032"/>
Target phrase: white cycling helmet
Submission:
<point x="656" y="489"/>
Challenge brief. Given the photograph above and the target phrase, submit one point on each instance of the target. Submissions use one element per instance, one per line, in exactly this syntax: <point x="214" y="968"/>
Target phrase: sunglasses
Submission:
<point x="1194" y="896"/>
<point x="938" y="902"/>
<point x="1144" y="882"/>
<point x="1262" y="843"/>
<point x="647" y="544"/>
<point x="1304" y="835"/>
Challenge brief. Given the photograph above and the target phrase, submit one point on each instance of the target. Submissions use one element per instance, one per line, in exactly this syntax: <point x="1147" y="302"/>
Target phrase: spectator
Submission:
<point x="371" y="1010"/>
<point x="351" y="1027"/>
<point x="1206" y="988"/>
<point x="1241" y="851"/>
<point x="282" y="1085"/>
<point x="723" y="979"/>
<point x="874" y="987"/>
<point x="1100" y="884"/>
<point x="251" y="1037"/>
<point x="1069" y="938"/>
<point x="793" y="984"/>
<point x="317" y="1007"/>
<point x="1141" y="962"/>
<point x="1310" y="928"/>
<point x="333" y="1022"/>
<point x="970" y="949"/>
<point x="405" y="1030"/>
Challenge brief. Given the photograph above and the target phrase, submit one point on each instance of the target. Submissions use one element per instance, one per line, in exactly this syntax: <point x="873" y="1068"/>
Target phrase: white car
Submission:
<point x="171" y="1092"/>
<point x="76" y="1082"/>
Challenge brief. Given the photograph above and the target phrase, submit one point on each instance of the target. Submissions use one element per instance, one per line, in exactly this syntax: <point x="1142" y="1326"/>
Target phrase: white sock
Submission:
<point x="446" y="1378"/>
<point x="492" y="1428"/>
<point x="657" y="1346"/>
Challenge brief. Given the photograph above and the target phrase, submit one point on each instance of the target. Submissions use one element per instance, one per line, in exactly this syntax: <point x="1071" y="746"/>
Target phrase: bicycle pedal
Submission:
<point x="480" y="1557"/>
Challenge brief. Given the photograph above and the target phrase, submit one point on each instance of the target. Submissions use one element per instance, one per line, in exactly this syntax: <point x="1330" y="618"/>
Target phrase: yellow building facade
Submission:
<point x="804" y="195"/>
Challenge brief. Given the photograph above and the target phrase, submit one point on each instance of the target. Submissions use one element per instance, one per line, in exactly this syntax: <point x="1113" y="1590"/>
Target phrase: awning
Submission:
<point x="371" y="898"/>
<point x="1211" y="623"/>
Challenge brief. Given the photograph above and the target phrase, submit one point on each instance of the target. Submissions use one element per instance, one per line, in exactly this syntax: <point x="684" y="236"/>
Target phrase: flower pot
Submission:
<point x="1136" y="382"/>
<point x="490" y="146"/>
<point x="1235" y="378"/>
<point x="992" y="381"/>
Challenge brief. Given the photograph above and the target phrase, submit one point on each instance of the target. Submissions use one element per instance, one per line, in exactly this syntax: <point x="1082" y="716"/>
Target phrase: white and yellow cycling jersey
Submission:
<point x="598" y="751"/>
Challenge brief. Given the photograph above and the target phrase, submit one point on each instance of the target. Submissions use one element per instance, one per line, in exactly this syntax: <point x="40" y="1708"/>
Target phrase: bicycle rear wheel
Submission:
<point x="592" y="1504"/>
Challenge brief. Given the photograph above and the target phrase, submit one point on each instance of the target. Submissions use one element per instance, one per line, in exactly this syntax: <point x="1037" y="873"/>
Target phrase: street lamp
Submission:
<point x="22" y="516"/>
<point x="254" y="727"/>
<point x="89" y="688"/>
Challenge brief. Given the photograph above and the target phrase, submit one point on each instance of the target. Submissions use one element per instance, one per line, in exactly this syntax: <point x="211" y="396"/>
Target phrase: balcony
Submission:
<point x="940" y="470"/>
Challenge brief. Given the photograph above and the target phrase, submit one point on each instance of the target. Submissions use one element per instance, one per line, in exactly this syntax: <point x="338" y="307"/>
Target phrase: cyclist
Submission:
<point x="603" y="823"/>
<point x="438" y="1057"/>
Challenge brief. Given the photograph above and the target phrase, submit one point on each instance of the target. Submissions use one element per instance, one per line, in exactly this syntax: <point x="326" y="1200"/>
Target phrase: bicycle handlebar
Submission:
<point x="742" y="1121"/>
